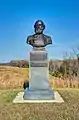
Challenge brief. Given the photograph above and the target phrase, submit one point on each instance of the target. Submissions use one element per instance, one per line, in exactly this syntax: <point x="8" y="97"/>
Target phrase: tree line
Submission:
<point x="68" y="67"/>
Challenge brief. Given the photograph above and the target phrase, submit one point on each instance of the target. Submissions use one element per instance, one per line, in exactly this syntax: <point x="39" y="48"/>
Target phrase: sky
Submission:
<point x="17" y="18"/>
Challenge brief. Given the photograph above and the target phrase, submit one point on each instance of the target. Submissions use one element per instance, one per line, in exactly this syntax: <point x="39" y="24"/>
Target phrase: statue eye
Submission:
<point x="38" y="26"/>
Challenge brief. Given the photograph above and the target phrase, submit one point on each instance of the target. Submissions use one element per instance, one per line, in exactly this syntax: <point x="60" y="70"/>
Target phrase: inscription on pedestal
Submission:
<point x="39" y="64"/>
<point x="38" y="56"/>
<point x="38" y="59"/>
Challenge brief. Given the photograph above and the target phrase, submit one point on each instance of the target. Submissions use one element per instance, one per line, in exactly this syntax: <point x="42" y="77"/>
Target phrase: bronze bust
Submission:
<point x="39" y="40"/>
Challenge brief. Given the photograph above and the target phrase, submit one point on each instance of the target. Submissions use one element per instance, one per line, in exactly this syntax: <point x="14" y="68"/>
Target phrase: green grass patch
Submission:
<point x="69" y="110"/>
<point x="8" y="95"/>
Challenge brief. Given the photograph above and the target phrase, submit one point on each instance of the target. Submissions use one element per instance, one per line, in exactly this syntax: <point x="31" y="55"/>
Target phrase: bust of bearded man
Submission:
<point x="39" y="40"/>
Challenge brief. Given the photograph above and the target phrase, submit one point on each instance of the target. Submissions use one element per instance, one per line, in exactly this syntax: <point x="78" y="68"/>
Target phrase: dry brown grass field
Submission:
<point x="14" y="77"/>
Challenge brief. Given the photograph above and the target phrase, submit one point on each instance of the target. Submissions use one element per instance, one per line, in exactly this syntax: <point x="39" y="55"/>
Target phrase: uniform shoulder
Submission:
<point x="29" y="39"/>
<point x="30" y="36"/>
<point x="48" y="39"/>
<point x="47" y="36"/>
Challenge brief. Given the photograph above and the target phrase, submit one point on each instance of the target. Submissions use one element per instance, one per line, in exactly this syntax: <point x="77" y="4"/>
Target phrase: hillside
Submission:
<point x="16" y="63"/>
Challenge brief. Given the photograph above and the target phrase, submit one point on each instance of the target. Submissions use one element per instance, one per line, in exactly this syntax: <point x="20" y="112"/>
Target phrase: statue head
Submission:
<point x="39" y="26"/>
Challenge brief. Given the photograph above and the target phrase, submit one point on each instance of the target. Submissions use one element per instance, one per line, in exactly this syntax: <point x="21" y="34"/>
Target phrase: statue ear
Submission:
<point x="43" y="27"/>
<point x="34" y="26"/>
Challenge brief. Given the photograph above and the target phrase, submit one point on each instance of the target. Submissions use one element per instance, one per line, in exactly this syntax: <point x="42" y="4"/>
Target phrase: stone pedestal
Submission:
<point x="39" y="87"/>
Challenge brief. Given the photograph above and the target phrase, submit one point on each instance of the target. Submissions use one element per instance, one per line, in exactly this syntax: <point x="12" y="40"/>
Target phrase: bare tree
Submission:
<point x="65" y="63"/>
<point x="76" y="53"/>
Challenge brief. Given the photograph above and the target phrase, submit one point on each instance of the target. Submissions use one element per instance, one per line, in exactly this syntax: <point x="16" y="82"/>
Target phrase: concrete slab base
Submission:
<point x="19" y="99"/>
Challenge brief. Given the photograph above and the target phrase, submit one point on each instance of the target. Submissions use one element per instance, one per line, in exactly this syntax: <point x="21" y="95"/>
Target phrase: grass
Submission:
<point x="8" y="95"/>
<point x="69" y="110"/>
<point x="14" y="77"/>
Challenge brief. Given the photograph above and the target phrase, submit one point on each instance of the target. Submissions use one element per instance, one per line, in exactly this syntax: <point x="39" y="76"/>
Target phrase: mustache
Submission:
<point x="39" y="28"/>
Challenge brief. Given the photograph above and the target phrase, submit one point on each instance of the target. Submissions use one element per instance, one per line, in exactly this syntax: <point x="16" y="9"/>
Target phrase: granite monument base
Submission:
<point x="44" y="94"/>
<point x="39" y="88"/>
<point x="19" y="99"/>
